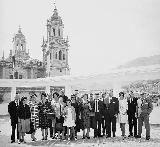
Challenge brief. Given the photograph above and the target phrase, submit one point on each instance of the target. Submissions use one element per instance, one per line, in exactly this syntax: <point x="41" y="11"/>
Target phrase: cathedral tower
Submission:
<point x="55" y="48"/>
<point x="19" y="46"/>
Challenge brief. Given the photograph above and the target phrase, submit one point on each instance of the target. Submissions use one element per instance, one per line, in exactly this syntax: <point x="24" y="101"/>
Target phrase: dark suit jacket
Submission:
<point x="101" y="107"/>
<point x="113" y="106"/>
<point x="12" y="110"/>
<point x="132" y="106"/>
<point x="24" y="112"/>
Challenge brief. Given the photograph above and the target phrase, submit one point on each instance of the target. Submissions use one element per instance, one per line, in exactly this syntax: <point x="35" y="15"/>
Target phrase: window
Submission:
<point x="54" y="32"/>
<point x="20" y="76"/>
<point x="50" y="56"/>
<point x="16" y="75"/>
<point x="56" y="55"/>
<point x="11" y="76"/>
<point x="60" y="55"/>
<point x="59" y="32"/>
<point x="63" y="56"/>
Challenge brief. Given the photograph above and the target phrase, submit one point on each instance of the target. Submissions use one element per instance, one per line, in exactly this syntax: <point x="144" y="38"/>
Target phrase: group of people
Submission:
<point x="61" y="117"/>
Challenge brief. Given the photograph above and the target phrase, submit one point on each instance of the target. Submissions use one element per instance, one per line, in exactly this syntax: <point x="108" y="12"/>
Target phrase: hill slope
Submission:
<point x="142" y="61"/>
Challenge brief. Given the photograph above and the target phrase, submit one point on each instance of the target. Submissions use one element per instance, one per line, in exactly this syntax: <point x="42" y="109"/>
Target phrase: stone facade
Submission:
<point x="55" y="48"/>
<point x="19" y="64"/>
<point x="55" y="55"/>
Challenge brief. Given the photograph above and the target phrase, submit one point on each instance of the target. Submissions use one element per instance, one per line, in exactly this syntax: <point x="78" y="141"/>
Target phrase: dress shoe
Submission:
<point x="147" y="137"/>
<point x="19" y="141"/>
<point x="88" y="137"/>
<point x="100" y="136"/>
<point x="138" y="136"/>
<point x="34" y="139"/>
<point x="12" y="141"/>
<point x="130" y="135"/>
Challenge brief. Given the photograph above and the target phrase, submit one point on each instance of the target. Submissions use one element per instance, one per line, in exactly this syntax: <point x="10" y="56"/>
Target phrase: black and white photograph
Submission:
<point x="82" y="73"/>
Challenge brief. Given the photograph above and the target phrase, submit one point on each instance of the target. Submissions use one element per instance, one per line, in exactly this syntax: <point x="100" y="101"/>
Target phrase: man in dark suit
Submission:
<point x="99" y="112"/>
<point x="111" y="112"/>
<point x="12" y="110"/>
<point x="65" y="98"/>
<point x="132" y="111"/>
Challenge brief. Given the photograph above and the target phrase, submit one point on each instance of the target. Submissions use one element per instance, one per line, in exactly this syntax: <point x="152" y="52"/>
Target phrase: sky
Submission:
<point x="103" y="34"/>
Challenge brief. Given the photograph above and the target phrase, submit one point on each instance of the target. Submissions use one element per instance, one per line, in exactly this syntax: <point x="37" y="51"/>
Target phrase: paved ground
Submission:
<point x="116" y="142"/>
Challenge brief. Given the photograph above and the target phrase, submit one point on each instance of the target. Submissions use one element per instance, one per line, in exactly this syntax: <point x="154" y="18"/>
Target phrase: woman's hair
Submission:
<point x="55" y="93"/>
<point x="43" y="94"/>
<point x="121" y="93"/>
<point x="23" y="98"/>
<point x="68" y="100"/>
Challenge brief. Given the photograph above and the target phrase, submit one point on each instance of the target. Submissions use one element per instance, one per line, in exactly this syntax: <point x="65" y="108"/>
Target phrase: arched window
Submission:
<point x="50" y="56"/>
<point x="54" y="32"/>
<point x="63" y="56"/>
<point x="60" y="55"/>
<point x="56" y="55"/>
<point x="59" y="32"/>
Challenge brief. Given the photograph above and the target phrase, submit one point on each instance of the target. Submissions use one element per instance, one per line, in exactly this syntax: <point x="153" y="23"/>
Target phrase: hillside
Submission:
<point x="142" y="61"/>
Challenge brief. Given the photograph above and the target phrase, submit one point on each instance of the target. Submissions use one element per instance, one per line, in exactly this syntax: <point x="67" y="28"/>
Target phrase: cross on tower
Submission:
<point x="54" y="2"/>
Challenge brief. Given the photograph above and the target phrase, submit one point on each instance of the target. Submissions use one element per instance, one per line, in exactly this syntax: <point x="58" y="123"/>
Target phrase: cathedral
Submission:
<point x="55" y="48"/>
<point x="19" y="64"/>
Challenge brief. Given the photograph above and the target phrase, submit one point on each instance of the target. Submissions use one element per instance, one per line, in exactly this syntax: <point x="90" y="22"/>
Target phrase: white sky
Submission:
<point x="102" y="33"/>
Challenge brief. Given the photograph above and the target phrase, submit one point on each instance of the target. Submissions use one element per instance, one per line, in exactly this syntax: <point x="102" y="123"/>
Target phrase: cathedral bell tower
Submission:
<point x="55" y="47"/>
<point x="19" y="46"/>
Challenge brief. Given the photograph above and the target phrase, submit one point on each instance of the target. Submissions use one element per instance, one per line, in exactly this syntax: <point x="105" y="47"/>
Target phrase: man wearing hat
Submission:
<point x="99" y="112"/>
<point x="146" y="109"/>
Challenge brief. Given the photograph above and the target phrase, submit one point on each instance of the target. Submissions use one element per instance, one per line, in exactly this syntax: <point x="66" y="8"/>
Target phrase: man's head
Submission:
<point x="96" y="96"/>
<point x="111" y="93"/>
<point x="62" y="92"/>
<point x="143" y="95"/>
<point x="17" y="97"/>
<point x="24" y="100"/>
<point x="33" y="97"/>
<point x="131" y="94"/>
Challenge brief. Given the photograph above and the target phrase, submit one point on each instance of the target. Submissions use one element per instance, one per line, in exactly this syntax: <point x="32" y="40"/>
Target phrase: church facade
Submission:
<point x="19" y="64"/>
<point x="55" y="48"/>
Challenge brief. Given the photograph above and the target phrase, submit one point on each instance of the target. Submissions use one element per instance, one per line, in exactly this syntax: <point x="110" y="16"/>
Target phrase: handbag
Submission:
<point x="51" y="116"/>
<point x="59" y="126"/>
<point x="31" y="128"/>
<point x="91" y="113"/>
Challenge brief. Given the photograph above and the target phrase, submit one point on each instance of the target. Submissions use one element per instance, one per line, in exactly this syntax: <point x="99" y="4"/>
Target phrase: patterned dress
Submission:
<point x="70" y="117"/>
<point x="34" y="114"/>
<point x="43" y="120"/>
<point x="123" y="106"/>
<point x="85" y="116"/>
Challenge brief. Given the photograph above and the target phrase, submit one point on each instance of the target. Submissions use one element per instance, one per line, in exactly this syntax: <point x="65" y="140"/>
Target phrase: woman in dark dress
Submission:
<point x="85" y="115"/>
<point x="44" y="108"/>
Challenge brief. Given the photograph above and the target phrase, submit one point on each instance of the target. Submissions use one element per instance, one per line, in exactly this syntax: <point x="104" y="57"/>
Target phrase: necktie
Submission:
<point x="60" y="109"/>
<point x="96" y="106"/>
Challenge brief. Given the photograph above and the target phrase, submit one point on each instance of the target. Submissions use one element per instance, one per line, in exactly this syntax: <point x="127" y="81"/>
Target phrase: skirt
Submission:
<point x="24" y="125"/>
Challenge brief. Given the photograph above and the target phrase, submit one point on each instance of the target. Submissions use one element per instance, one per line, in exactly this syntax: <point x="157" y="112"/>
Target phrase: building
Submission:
<point x="19" y="64"/>
<point x="55" y="48"/>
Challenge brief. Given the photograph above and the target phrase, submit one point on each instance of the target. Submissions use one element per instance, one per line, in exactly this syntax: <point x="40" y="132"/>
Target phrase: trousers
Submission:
<point x="145" y="119"/>
<point x="132" y="120"/>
